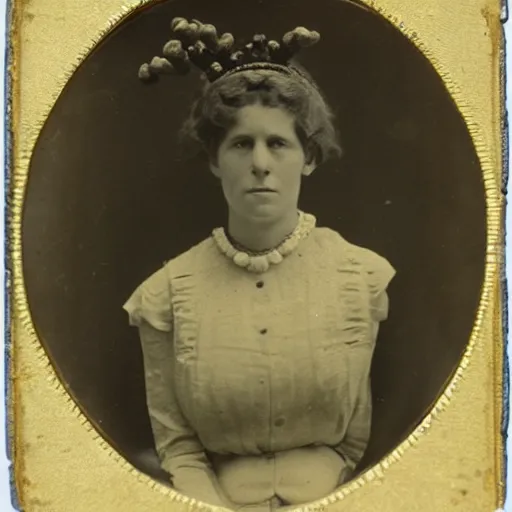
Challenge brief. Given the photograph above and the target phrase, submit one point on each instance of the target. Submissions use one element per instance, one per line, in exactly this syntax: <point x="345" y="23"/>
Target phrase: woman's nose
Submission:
<point x="260" y="160"/>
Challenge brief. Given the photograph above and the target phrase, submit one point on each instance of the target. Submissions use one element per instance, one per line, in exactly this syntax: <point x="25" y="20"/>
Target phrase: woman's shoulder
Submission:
<point x="189" y="261"/>
<point x="198" y="258"/>
<point x="151" y="299"/>
<point x="343" y="252"/>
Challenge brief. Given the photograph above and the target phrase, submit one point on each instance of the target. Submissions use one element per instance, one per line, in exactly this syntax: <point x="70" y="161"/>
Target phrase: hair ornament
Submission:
<point x="301" y="38"/>
<point x="187" y="33"/>
<point x="177" y="56"/>
<point x="209" y="37"/>
<point x="216" y="70"/>
<point x="162" y="66"/>
<point x="226" y="42"/>
<point x="198" y="44"/>
<point x="199" y="56"/>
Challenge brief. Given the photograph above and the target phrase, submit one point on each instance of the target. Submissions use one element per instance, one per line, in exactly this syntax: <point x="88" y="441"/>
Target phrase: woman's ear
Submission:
<point x="310" y="163"/>
<point x="213" y="162"/>
<point x="214" y="169"/>
<point x="212" y="151"/>
<point x="309" y="167"/>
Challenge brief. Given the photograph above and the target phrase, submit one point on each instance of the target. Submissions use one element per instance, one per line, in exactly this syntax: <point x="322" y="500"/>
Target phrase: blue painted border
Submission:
<point x="506" y="426"/>
<point x="8" y="138"/>
<point x="505" y="420"/>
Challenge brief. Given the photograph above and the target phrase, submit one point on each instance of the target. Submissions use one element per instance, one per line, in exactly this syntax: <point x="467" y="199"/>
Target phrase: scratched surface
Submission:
<point x="62" y="465"/>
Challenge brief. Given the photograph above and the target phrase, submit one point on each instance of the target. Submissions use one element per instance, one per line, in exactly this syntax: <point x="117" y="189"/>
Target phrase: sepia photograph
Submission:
<point x="254" y="244"/>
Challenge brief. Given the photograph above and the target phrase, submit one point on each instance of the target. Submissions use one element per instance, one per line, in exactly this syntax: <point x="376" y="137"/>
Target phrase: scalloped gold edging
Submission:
<point x="494" y="203"/>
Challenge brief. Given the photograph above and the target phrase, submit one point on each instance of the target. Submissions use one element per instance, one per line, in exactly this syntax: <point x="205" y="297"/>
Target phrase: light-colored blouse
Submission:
<point x="258" y="384"/>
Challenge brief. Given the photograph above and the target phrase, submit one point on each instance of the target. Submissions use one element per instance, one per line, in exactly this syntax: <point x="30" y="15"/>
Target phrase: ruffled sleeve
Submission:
<point x="379" y="273"/>
<point x="151" y="302"/>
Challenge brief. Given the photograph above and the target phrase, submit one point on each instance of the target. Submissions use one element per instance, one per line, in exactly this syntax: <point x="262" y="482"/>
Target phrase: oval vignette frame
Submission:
<point x="442" y="397"/>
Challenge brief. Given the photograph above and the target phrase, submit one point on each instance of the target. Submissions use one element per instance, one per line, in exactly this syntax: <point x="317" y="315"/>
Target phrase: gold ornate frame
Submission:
<point x="458" y="465"/>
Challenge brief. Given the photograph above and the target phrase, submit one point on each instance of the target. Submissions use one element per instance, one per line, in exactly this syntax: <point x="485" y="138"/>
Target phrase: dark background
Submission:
<point x="110" y="197"/>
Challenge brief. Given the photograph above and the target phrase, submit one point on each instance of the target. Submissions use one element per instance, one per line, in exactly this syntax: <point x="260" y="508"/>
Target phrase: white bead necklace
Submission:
<point x="260" y="263"/>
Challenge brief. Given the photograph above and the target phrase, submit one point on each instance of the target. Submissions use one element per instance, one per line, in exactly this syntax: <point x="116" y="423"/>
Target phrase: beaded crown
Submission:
<point x="197" y="44"/>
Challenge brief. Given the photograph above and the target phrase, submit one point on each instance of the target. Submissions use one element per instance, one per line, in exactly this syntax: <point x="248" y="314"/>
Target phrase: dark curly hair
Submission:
<point x="214" y="113"/>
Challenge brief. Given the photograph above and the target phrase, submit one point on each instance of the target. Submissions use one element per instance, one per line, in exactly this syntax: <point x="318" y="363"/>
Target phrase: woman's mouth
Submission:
<point x="261" y="190"/>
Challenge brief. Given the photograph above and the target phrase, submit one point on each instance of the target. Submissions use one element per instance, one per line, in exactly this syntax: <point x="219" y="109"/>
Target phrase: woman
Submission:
<point x="257" y="342"/>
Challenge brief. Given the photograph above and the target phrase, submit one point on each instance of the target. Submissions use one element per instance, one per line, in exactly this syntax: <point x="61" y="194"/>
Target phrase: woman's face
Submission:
<point x="260" y="163"/>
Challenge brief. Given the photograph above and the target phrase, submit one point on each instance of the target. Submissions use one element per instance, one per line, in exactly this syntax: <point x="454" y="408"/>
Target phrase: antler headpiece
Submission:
<point x="198" y="44"/>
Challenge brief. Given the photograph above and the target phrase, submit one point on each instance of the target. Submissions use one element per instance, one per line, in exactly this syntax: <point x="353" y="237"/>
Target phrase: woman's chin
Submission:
<point x="264" y="213"/>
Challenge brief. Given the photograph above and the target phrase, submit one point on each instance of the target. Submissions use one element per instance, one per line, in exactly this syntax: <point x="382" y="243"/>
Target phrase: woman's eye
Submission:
<point x="277" y="143"/>
<point x="242" y="144"/>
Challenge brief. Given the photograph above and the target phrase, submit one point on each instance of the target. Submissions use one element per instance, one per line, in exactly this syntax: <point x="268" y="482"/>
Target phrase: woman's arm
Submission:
<point x="178" y="447"/>
<point x="354" y="444"/>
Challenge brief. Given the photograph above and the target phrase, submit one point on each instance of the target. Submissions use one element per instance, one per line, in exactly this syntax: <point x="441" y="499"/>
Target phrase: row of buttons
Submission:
<point x="279" y="422"/>
<point x="261" y="284"/>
